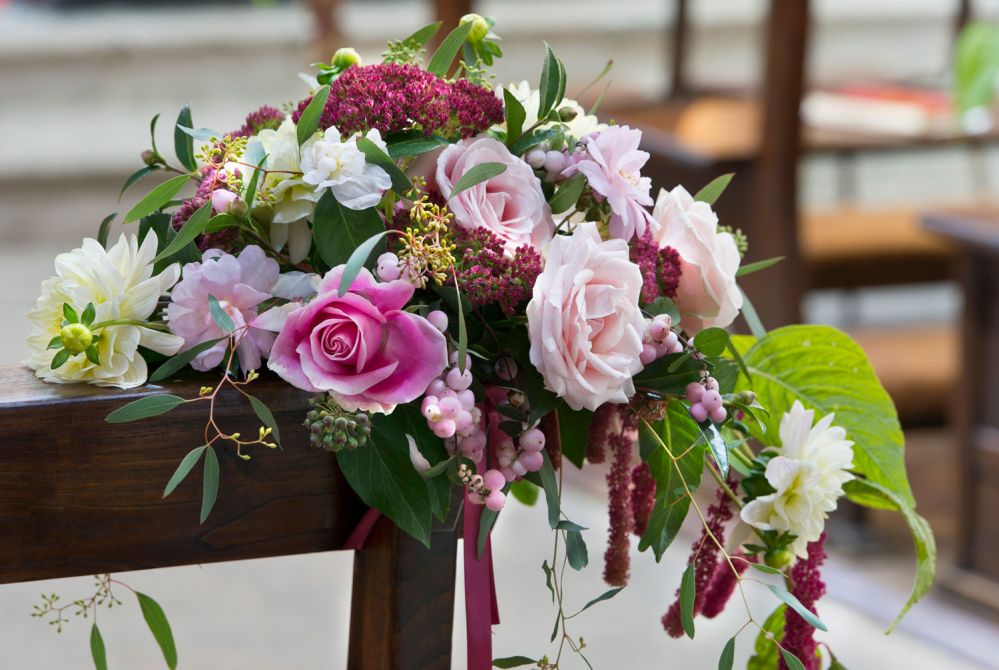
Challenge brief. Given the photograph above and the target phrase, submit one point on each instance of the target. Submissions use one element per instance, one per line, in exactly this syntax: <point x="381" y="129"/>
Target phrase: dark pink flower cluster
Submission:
<point x="486" y="275"/>
<point x="393" y="97"/>
<point x="660" y="267"/>
<point x="266" y="117"/>
<point x="643" y="497"/>
<point x="808" y="588"/>
<point x="617" y="562"/>
<point x="705" y="558"/>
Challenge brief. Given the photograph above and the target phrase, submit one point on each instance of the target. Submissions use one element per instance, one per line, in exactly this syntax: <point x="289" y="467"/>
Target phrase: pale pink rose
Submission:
<point x="611" y="162"/>
<point x="240" y="284"/>
<point x="707" y="295"/>
<point x="511" y="204"/>
<point x="361" y="346"/>
<point x="583" y="321"/>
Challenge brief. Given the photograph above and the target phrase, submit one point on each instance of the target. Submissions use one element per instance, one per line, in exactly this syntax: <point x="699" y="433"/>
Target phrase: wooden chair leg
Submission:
<point x="402" y="609"/>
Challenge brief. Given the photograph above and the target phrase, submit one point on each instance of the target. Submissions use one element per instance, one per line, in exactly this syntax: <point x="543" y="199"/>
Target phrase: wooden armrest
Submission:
<point x="81" y="496"/>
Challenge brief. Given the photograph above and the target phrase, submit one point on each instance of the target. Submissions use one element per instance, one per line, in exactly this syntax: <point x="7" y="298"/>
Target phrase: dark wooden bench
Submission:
<point x="80" y="496"/>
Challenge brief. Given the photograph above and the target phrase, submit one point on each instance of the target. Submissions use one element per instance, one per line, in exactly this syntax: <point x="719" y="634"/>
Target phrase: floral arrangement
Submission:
<point x="479" y="289"/>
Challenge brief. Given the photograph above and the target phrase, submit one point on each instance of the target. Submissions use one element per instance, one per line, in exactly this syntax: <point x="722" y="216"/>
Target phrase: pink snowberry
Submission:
<point x="699" y="412"/>
<point x="467" y="399"/>
<point x="718" y="415"/>
<point x="458" y="380"/>
<point x="531" y="460"/>
<point x="387" y="267"/>
<point x="694" y="392"/>
<point x="535" y="158"/>
<point x="493" y="479"/>
<point x="495" y="500"/>
<point x="649" y="354"/>
<point x="438" y="320"/>
<point x="711" y="399"/>
<point x="444" y="428"/>
<point x="532" y="440"/>
<point x="436" y="388"/>
<point x="450" y="408"/>
<point x="658" y="330"/>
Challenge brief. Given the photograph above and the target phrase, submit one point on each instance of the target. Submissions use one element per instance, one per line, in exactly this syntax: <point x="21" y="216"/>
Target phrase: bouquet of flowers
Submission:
<point x="479" y="289"/>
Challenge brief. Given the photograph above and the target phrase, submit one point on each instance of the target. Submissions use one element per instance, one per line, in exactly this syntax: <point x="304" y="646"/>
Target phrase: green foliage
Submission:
<point x="441" y="61"/>
<point x="97" y="651"/>
<point x="513" y="662"/>
<point x="791" y="660"/>
<point x="339" y="231"/>
<point x="976" y="65"/>
<point x="568" y="194"/>
<point x="750" y="268"/>
<point x="182" y="142"/>
<point x="415" y="146"/>
<point x="606" y="595"/>
<point x="104" y="230"/>
<point x="668" y="375"/>
<point x="711" y="342"/>
<point x="157" y="198"/>
<point x="373" y="154"/>
<point x="477" y="174"/>
<point x="573" y="429"/>
<point x="159" y="627"/>
<point x="210" y="483"/>
<point x="871" y="494"/>
<point x="136" y="176"/>
<point x="175" y="363"/>
<point x="186" y="465"/>
<point x="677" y="435"/>
<point x="525" y="492"/>
<point x="551" y="89"/>
<point x="308" y="122"/>
<point x="550" y="485"/>
<point x="515" y="114"/>
<point x="714" y="189"/>
<point x="805" y="613"/>
<point x="220" y="316"/>
<point x="575" y="548"/>
<point x="266" y="417"/>
<point x="727" y="658"/>
<point x="688" y="591"/>
<point x="357" y="261"/>
<point x="143" y="408"/>
<point x="826" y="370"/>
<point x="765" y="648"/>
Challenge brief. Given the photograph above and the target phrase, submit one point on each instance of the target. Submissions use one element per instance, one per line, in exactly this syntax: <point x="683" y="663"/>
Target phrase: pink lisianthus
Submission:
<point x="240" y="284"/>
<point x="611" y="164"/>
<point x="362" y="347"/>
<point x="584" y="322"/>
<point x="511" y="205"/>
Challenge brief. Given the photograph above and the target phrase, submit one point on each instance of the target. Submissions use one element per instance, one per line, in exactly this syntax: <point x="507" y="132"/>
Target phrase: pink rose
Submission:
<point x="361" y="346"/>
<point x="707" y="295"/>
<point x="511" y="204"/>
<point x="584" y="322"/>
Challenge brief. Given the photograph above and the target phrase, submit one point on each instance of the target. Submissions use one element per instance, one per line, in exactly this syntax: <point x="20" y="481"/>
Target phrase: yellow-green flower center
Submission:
<point x="76" y="337"/>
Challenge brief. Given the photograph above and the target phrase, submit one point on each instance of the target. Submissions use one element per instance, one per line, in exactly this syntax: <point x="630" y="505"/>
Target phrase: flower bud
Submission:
<point x="76" y="337"/>
<point x="566" y="113"/>
<point x="345" y="57"/>
<point x="480" y="27"/>
<point x="150" y="157"/>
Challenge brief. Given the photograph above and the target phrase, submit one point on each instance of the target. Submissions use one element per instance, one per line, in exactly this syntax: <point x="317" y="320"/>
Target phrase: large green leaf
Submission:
<point x="679" y="434"/>
<point x="826" y="370"/>
<point x="574" y="432"/>
<point x="668" y="375"/>
<point x="143" y="408"/>
<point x="308" y="122"/>
<point x="871" y="494"/>
<point x="339" y="230"/>
<point x="159" y="627"/>
<point x="97" y="651"/>
<point x="381" y="473"/>
<point x="440" y="62"/>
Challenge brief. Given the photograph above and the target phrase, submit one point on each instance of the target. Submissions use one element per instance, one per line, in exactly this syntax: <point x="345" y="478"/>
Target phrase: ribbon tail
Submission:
<point x="359" y="536"/>
<point x="480" y="592"/>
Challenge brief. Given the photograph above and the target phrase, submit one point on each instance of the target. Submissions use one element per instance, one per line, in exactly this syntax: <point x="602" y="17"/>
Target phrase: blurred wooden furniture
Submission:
<point x="698" y="133"/>
<point x="80" y="496"/>
<point x="976" y="405"/>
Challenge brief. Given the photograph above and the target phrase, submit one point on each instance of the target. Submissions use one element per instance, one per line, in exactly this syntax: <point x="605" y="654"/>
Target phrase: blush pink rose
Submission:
<point x="707" y="294"/>
<point x="584" y="322"/>
<point x="361" y="346"/>
<point x="511" y="204"/>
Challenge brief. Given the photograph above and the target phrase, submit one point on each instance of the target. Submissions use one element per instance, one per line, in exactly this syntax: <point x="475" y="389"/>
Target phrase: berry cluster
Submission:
<point x="705" y="400"/>
<point x="659" y="339"/>
<point x="333" y="428"/>
<point x="516" y="460"/>
<point x="484" y="489"/>
<point x="449" y="408"/>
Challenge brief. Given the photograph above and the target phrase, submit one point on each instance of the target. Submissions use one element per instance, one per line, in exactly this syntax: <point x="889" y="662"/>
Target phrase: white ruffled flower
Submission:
<point x="291" y="200"/>
<point x="579" y="126"/>
<point x="808" y="478"/>
<point x="120" y="284"/>
<point x="330" y="162"/>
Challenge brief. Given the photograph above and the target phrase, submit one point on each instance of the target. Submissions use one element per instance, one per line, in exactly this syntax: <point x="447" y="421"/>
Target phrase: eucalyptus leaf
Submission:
<point x="550" y="485"/>
<point x="423" y="35"/>
<point x="186" y="465"/>
<point x="104" y="230"/>
<point x="568" y="194"/>
<point x="136" y="176"/>
<point x="222" y="320"/>
<point x="210" y="483"/>
<point x="143" y="408"/>
<point x="201" y="134"/>
<point x="752" y="318"/>
<point x="515" y="115"/>
<point x="532" y="139"/>
<point x="308" y="122"/>
<point x="440" y="62"/>
<point x="477" y="174"/>
<point x="97" y="651"/>
<point x="714" y="189"/>
<point x="157" y="198"/>
<point x="513" y="662"/>
<point x="750" y="268"/>
<point x="688" y="591"/>
<point x="357" y="261"/>
<point x="792" y="601"/>
<point x="415" y="147"/>
<point x="606" y="595"/>
<point x="552" y="82"/>
<point x="175" y="363"/>
<point x="727" y="658"/>
<point x="159" y="627"/>
<point x="575" y="547"/>
<point x="791" y="660"/>
<point x="182" y="142"/>
<point x="266" y="417"/>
